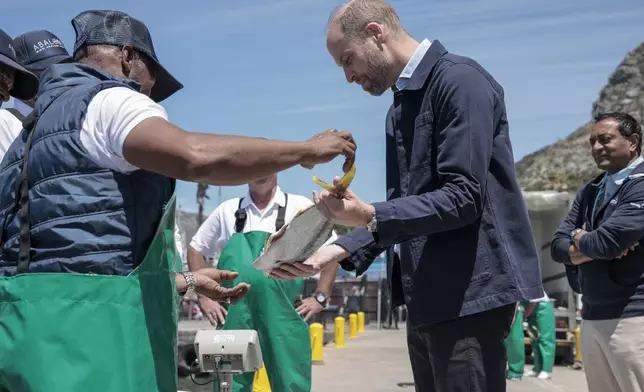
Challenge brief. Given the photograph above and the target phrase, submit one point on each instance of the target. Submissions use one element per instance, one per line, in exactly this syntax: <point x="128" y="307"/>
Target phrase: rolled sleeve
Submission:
<point x="463" y="136"/>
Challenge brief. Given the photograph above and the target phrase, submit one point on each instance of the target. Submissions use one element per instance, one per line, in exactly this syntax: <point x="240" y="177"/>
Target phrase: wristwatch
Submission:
<point x="574" y="233"/>
<point x="190" y="280"/>
<point x="372" y="226"/>
<point x="321" y="298"/>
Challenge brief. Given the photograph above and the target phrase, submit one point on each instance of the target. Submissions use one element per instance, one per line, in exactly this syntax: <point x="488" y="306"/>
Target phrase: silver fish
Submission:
<point x="296" y="241"/>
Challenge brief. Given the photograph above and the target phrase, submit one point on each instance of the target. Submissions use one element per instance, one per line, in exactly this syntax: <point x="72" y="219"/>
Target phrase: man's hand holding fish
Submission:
<point x="321" y="259"/>
<point x="344" y="209"/>
<point x="340" y="206"/>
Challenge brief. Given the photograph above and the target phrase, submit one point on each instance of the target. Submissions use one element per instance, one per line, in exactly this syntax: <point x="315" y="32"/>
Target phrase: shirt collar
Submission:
<point x="279" y="198"/>
<point x="413" y="63"/>
<point x="22" y="107"/>
<point x="619" y="177"/>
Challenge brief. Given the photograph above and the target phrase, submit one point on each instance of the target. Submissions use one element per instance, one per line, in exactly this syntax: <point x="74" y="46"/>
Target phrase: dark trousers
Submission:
<point x="462" y="355"/>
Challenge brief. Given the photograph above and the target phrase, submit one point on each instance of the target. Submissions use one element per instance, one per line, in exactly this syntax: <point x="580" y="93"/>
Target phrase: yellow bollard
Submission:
<point x="577" y="345"/>
<point x="260" y="383"/>
<point x="360" y="321"/>
<point x="353" y="325"/>
<point x="339" y="332"/>
<point x="317" y="342"/>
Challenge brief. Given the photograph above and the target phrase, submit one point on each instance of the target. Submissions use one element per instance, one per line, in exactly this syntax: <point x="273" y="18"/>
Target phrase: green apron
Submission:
<point x="267" y="308"/>
<point x="515" y="348"/>
<point x="68" y="332"/>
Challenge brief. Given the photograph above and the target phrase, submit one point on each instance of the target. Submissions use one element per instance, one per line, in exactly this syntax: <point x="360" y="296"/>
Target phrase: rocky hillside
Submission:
<point x="567" y="164"/>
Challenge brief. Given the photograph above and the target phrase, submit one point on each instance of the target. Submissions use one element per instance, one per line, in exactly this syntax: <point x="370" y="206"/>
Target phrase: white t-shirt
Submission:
<point x="111" y="116"/>
<point x="214" y="233"/>
<point x="10" y="128"/>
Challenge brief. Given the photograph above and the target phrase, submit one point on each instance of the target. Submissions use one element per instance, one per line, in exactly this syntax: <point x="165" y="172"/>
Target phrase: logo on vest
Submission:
<point x="48" y="44"/>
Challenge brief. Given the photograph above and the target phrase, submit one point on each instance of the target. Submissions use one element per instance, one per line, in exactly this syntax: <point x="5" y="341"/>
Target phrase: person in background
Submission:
<point x="36" y="51"/>
<point x="16" y="82"/>
<point x="237" y="230"/>
<point x="467" y="251"/>
<point x="599" y="244"/>
<point x="89" y="200"/>
<point x="515" y="346"/>
<point x="540" y="318"/>
<point x="353" y="300"/>
<point x="540" y="315"/>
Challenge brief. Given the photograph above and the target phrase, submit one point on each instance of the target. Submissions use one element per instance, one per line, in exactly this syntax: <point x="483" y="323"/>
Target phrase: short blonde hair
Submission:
<point x="354" y="17"/>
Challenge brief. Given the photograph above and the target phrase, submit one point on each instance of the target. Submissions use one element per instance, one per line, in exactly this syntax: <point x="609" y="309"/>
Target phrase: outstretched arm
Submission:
<point x="161" y="147"/>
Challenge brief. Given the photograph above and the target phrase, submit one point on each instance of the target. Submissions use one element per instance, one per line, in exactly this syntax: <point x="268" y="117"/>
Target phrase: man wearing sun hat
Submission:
<point x="87" y="258"/>
<point x="36" y="51"/>
<point x="17" y="82"/>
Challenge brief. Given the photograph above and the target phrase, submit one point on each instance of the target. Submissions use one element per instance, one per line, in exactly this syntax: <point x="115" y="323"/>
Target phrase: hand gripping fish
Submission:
<point x="304" y="235"/>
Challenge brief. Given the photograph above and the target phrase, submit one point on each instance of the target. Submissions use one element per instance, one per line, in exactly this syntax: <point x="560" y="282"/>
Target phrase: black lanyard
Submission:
<point x="241" y="216"/>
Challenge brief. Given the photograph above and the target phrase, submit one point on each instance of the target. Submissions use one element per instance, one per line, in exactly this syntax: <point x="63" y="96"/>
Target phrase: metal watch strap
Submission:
<point x="574" y="233"/>
<point x="372" y="226"/>
<point x="191" y="284"/>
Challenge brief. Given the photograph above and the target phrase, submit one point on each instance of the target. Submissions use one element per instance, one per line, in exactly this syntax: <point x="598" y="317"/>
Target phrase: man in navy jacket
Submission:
<point x="598" y="243"/>
<point x="467" y="252"/>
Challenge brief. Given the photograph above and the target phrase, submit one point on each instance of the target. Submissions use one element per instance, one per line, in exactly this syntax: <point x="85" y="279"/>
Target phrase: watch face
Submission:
<point x="320" y="298"/>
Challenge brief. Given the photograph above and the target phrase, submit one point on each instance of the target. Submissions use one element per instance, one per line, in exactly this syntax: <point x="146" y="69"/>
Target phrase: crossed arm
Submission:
<point x="613" y="239"/>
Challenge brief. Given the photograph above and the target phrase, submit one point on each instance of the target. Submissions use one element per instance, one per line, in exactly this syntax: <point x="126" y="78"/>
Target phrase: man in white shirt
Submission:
<point x="94" y="178"/>
<point x="264" y="209"/>
<point x="17" y="82"/>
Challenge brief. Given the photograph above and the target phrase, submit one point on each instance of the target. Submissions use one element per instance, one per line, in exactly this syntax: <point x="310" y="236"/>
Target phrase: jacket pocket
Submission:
<point x="421" y="153"/>
<point x="482" y="272"/>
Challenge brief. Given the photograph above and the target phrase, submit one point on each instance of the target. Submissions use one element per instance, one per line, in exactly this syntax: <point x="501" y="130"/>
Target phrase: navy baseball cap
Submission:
<point x="38" y="50"/>
<point x="118" y="28"/>
<point x="25" y="84"/>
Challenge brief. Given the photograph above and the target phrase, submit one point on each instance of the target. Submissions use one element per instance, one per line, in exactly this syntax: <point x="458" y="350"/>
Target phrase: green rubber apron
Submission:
<point x="68" y="332"/>
<point x="267" y="308"/>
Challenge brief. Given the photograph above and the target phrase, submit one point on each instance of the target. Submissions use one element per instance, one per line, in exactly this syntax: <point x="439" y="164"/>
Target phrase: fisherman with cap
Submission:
<point x="37" y="51"/>
<point x="17" y="82"/>
<point x="88" y="264"/>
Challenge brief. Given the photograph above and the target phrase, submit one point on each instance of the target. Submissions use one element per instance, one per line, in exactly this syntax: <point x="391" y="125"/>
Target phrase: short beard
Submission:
<point x="378" y="67"/>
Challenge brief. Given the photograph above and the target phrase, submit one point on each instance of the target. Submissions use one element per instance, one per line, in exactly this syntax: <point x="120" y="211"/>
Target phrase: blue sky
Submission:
<point x="260" y="68"/>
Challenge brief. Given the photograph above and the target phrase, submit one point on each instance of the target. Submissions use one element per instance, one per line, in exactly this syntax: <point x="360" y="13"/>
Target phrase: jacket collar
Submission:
<point x="638" y="172"/>
<point x="60" y="78"/>
<point x="427" y="64"/>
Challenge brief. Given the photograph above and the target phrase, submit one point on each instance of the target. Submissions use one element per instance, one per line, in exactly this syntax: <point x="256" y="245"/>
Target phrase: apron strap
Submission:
<point x="240" y="217"/>
<point x="16" y="114"/>
<point x="281" y="215"/>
